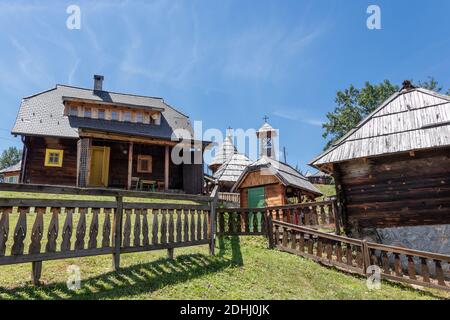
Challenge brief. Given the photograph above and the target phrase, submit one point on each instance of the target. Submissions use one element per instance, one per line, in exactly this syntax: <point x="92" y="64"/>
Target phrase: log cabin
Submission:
<point x="269" y="182"/>
<point x="11" y="174"/>
<point x="392" y="171"/>
<point x="94" y="138"/>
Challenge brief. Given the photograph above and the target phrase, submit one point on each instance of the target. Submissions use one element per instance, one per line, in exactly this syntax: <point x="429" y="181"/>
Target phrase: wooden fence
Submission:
<point x="253" y="221"/>
<point x="396" y="263"/>
<point x="323" y="214"/>
<point x="39" y="229"/>
<point x="230" y="197"/>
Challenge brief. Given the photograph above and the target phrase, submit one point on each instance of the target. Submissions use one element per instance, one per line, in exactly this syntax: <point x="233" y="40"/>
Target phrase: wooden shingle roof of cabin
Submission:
<point x="231" y="170"/>
<point x="410" y="120"/>
<point x="224" y="152"/>
<point x="43" y="115"/>
<point x="14" y="168"/>
<point x="284" y="172"/>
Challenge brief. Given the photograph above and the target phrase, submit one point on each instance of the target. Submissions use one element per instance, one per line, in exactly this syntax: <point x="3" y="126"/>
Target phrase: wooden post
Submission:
<point x="166" y="168"/>
<point x="130" y="164"/>
<point x="337" y="217"/>
<point x="269" y="229"/>
<point x="170" y="253"/>
<point x="365" y="256"/>
<point x="117" y="232"/>
<point x="213" y="204"/>
<point x="36" y="271"/>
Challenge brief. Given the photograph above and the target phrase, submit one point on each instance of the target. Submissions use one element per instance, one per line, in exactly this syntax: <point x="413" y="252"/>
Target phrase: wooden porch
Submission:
<point x="130" y="163"/>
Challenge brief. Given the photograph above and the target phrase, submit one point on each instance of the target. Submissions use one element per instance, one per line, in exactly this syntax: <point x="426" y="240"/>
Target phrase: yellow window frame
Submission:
<point x="49" y="152"/>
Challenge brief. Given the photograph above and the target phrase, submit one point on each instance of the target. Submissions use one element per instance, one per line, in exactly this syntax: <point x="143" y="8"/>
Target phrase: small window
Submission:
<point x="127" y="116"/>
<point x="139" y="117"/>
<point x="87" y="113"/>
<point x="53" y="158"/>
<point x="73" y="111"/>
<point x="144" y="164"/>
<point x="115" y="115"/>
<point x="101" y="114"/>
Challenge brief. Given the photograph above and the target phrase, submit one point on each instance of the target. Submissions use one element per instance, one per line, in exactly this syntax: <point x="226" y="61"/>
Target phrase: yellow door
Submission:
<point x="99" y="167"/>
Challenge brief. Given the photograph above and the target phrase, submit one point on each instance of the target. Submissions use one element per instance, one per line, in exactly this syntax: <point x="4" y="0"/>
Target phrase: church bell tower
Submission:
<point x="267" y="138"/>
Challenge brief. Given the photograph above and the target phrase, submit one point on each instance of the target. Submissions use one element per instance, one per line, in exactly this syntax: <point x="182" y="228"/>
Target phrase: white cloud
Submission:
<point x="296" y="115"/>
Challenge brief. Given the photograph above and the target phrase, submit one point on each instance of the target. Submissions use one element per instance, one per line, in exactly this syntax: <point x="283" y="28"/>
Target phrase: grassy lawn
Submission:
<point x="30" y="195"/>
<point x="326" y="189"/>
<point x="242" y="269"/>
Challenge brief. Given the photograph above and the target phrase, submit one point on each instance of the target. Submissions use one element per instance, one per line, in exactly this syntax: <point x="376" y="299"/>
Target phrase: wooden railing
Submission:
<point x="39" y="229"/>
<point x="253" y="221"/>
<point x="399" y="264"/>
<point x="241" y="221"/>
<point x="230" y="197"/>
<point x="323" y="214"/>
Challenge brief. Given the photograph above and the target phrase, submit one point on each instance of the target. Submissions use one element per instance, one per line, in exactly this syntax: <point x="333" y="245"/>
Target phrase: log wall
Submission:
<point x="37" y="173"/>
<point x="399" y="190"/>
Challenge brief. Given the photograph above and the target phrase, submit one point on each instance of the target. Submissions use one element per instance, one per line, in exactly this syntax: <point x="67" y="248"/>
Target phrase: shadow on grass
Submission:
<point x="137" y="279"/>
<point x="234" y="242"/>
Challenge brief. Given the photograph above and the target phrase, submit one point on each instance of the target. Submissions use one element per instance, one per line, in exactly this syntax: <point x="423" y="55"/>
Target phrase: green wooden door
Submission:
<point x="256" y="199"/>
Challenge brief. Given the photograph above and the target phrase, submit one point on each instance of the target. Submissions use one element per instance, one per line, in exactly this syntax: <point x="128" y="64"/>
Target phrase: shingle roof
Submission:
<point x="411" y="119"/>
<point x="231" y="170"/>
<point x="13" y="168"/>
<point x="287" y="175"/>
<point x="43" y="114"/>
<point x="224" y="152"/>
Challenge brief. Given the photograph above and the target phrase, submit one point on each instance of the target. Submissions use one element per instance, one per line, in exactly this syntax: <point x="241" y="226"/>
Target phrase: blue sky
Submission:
<point x="227" y="63"/>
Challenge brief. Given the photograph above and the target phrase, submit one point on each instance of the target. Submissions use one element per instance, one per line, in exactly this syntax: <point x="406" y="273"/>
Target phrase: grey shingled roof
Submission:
<point x="411" y="119"/>
<point x="224" y="152"/>
<point x="287" y="175"/>
<point x="43" y="114"/>
<point x="13" y="168"/>
<point x="232" y="169"/>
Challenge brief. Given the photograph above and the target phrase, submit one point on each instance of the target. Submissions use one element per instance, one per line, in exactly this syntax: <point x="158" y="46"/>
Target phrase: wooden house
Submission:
<point x="11" y="174"/>
<point x="319" y="177"/>
<point x="393" y="169"/>
<point x="224" y="152"/>
<point x="94" y="138"/>
<point x="230" y="171"/>
<point x="269" y="182"/>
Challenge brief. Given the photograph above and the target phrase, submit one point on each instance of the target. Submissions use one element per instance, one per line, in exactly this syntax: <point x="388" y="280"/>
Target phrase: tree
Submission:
<point x="354" y="104"/>
<point x="10" y="157"/>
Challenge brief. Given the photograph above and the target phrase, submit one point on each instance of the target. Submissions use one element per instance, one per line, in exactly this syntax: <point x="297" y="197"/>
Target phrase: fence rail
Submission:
<point x="323" y="214"/>
<point x="253" y="221"/>
<point x="399" y="264"/>
<point x="230" y="197"/>
<point x="35" y="230"/>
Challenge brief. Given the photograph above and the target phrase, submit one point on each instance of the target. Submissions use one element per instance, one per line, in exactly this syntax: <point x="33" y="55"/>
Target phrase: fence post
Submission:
<point x="269" y="229"/>
<point x="117" y="232"/>
<point x="366" y="256"/>
<point x="36" y="270"/>
<point x="213" y="206"/>
<point x="337" y="217"/>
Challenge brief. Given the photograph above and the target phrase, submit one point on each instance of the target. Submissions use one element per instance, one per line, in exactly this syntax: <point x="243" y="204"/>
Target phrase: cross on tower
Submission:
<point x="265" y="118"/>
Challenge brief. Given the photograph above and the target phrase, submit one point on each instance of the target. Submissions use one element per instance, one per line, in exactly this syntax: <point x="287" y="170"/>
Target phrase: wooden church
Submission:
<point x="269" y="182"/>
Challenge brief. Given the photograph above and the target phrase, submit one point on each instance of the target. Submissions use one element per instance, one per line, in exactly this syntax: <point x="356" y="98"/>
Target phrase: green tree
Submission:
<point x="355" y="104"/>
<point x="10" y="157"/>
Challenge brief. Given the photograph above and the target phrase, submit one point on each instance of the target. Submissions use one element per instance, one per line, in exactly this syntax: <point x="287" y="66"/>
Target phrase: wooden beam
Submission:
<point x="118" y="137"/>
<point x="130" y="164"/>
<point x="166" y="168"/>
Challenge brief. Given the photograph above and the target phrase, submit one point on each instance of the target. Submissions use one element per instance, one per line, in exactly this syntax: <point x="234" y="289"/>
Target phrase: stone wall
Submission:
<point x="434" y="238"/>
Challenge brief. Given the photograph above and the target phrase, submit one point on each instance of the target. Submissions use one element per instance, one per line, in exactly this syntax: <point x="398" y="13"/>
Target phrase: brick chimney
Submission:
<point x="98" y="82"/>
<point x="407" y="85"/>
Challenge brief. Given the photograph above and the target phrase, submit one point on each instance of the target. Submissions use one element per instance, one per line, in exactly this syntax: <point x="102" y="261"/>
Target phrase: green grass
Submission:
<point x="243" y="268"/>
<point x="44" y="196"/>
<point x="326" y="189"/>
